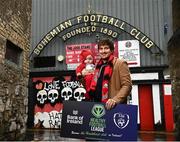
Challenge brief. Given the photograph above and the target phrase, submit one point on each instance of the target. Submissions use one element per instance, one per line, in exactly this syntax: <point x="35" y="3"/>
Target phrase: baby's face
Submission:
<point x="89" y="60"/>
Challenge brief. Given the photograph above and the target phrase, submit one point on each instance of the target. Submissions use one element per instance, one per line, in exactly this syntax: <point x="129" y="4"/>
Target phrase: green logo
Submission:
<point x="98" y="110"/>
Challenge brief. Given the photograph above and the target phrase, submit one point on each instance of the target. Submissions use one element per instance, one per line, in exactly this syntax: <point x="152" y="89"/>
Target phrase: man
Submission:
<point x="111" y="83"/>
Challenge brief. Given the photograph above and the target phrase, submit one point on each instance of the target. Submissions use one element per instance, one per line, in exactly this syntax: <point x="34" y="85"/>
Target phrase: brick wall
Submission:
<point x="15" y="25"/>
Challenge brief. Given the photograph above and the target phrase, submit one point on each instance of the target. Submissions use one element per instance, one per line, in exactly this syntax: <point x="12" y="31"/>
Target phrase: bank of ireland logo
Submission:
<point x="98" y="110"/>
<point x="121" y="120"/>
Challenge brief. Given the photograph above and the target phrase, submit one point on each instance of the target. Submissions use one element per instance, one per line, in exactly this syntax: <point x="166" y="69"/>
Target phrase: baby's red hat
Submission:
<point x="84" y="53"/>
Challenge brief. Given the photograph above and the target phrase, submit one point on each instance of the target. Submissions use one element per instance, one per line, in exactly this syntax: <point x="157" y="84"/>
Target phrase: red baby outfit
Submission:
<point x="87" y="78"/>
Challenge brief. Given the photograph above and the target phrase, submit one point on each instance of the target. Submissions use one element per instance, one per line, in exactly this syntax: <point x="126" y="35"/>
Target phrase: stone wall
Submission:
<point x="174" y="65"/>
<point x="176" y="14"/>
<point x="15" y="25"/>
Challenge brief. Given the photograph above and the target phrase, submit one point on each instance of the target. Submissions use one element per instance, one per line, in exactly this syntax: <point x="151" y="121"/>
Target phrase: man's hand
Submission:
<point x="110" y="104"/>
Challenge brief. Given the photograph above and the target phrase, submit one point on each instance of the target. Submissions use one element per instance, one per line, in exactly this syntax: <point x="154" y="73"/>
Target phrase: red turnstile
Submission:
<point x="146" y="107"/>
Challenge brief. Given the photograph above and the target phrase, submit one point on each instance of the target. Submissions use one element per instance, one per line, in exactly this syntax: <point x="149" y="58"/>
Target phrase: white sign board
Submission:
<point x="129" y="51"/>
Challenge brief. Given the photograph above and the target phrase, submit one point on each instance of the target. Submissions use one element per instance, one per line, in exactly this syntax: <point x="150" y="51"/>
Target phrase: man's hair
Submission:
<point x="106" y="42"/>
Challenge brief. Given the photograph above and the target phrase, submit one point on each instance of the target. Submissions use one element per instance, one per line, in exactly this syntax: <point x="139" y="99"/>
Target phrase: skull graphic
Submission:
<point x="42" y="96"/>
<point x="66" y="93"/>
<point x="79" y="94"/>
<point x="53" y="95"/>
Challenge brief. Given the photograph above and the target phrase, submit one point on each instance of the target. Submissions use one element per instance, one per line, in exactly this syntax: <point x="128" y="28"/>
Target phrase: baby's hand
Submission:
<point x="84" y="72"/>
<point x="90" y="71"/>
<point x="87" y="72"/>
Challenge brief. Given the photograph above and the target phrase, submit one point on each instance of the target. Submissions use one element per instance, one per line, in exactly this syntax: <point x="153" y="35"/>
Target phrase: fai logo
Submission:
<point x="121" y="120"/>
<point x="98" y="110"/>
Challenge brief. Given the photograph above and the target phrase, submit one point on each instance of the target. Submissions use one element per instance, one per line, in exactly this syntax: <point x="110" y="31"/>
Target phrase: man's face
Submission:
<point x="104" y="51"/>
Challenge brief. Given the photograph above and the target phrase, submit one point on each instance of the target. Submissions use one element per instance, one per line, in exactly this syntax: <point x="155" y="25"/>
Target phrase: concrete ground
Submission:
<point x="54" y="135"/>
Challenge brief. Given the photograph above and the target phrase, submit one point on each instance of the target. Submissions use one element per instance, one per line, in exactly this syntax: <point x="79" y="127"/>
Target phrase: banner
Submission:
<point x="91" y="121"/>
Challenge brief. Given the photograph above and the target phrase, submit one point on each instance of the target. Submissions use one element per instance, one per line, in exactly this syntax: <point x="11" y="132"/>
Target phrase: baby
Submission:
<point x="85" y="70"/>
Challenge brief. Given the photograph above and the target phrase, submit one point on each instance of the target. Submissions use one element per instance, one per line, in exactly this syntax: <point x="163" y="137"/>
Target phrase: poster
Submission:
<point x="129" y="51"/>
<point x="73" y="51"/>
<point x="48" y="94"/>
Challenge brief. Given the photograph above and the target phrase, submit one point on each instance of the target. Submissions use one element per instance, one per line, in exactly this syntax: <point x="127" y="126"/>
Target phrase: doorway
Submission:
<point x="146" y="107"/>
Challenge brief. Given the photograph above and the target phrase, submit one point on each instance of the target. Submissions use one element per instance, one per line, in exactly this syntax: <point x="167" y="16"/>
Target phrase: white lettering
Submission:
<point x="104" y="19"/>
<point x="149" y="44"/>
<point x="86" y="18"/>
<point x="133" y="32"/>
<point x="79" y="31"/>
<point x="53" y="33"/>
<point x="93" y="18"/>
<point x="37" y="51"/>
<point x="97" y="129"/>
<point x="79" y="18"/>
